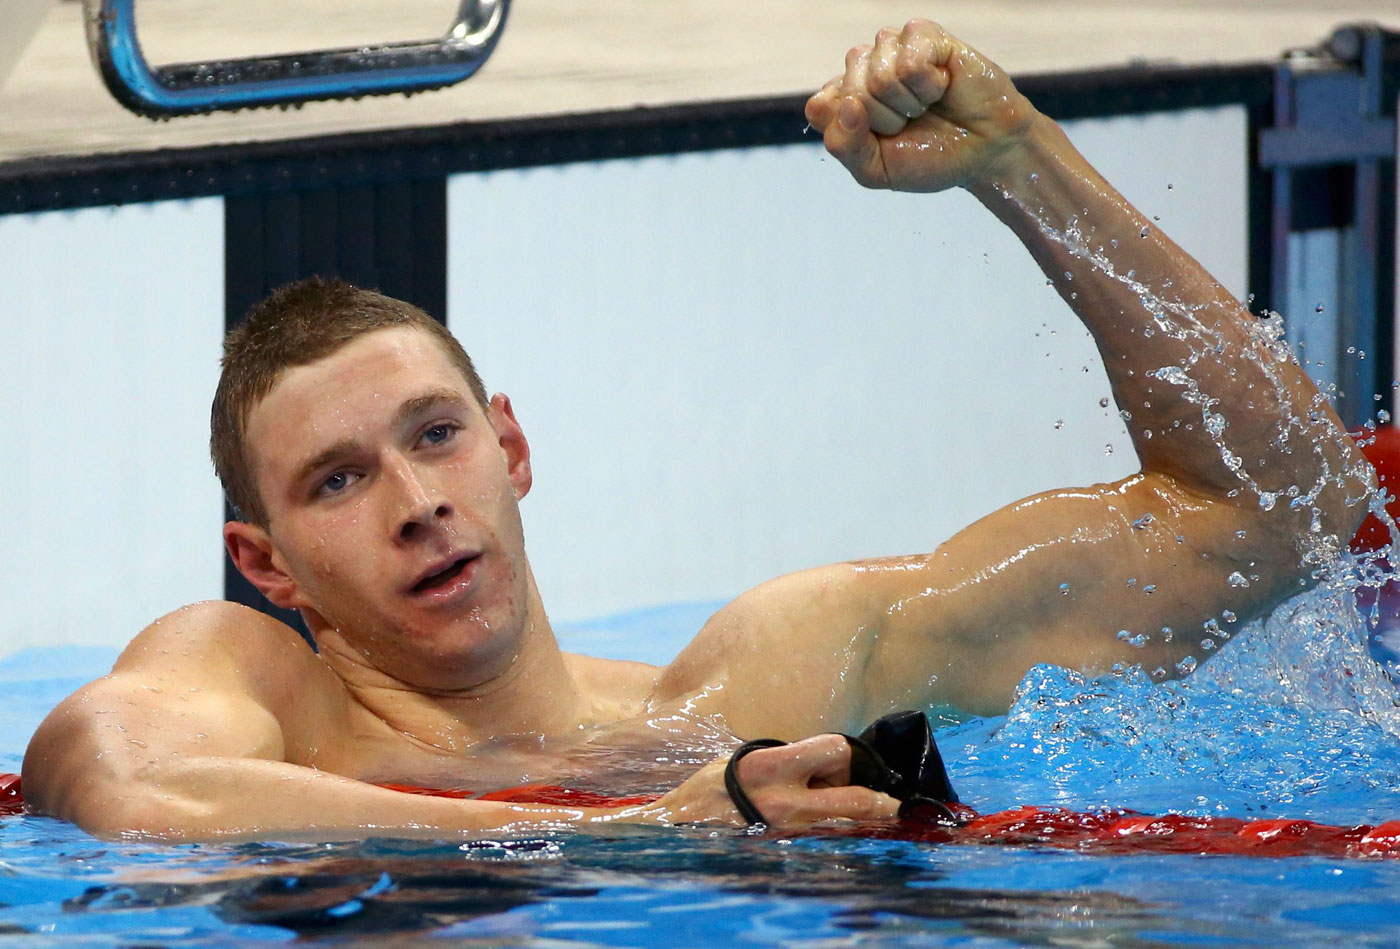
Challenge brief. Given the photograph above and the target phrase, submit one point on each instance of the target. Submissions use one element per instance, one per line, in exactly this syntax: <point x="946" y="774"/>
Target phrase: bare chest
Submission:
<point x="651" y="751"/>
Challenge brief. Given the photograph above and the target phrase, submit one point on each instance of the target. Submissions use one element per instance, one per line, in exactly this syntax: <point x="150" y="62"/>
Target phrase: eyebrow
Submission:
<point x="407" y="411"/>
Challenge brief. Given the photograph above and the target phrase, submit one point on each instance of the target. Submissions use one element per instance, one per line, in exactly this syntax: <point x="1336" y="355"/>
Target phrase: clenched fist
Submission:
<point x="921" y="111"/>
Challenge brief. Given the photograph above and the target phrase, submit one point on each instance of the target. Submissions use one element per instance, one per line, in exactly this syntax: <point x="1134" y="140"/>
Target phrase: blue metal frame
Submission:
<point x="287" y="79"/>
<point x="1329" y="110"/>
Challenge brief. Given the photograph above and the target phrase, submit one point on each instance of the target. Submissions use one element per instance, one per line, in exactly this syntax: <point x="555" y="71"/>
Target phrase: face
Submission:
<point x="392" y="510"/>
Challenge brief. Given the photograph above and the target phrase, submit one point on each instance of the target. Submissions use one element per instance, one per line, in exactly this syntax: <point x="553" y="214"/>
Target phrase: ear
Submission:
<point x="253" y="553"/>
<point x="511" y="438"/>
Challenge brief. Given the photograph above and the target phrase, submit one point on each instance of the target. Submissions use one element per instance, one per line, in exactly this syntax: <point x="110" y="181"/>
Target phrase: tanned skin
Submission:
<point x="219" y="723"/>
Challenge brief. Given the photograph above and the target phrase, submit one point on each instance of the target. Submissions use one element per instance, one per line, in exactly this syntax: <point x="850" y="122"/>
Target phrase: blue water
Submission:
<point x="1293" y="718"/>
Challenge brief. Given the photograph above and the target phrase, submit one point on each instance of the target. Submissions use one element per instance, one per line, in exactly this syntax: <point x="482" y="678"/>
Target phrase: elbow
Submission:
<point x="143" y="814"/>
<point x="1344" y="503"/>
<point x="113" y="807"/>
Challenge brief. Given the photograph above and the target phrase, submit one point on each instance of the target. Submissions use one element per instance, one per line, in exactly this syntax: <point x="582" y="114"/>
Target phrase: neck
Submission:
<point x="533" y="693"/>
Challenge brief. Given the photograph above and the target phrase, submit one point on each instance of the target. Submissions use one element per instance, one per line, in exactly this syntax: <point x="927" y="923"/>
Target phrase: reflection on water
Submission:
<point x="661" y="883"/>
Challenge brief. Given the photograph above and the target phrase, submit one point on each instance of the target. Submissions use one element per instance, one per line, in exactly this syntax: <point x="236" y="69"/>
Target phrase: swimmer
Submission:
<point x="379" y="491"/>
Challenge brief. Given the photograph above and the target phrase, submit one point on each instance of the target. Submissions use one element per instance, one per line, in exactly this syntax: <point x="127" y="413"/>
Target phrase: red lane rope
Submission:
<point x="1106" y="832"/>
<point x="11" y="800"/>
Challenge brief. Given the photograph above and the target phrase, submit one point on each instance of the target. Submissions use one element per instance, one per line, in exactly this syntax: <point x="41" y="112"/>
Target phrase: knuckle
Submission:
<point x="907" y="68"/>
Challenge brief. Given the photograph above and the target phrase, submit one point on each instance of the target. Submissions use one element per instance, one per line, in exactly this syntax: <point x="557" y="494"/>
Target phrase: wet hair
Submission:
<point x="299" y="324"/>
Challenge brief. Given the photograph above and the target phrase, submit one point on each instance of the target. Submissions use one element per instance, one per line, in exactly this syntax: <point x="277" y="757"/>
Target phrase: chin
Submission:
<point x="480" y="654"/>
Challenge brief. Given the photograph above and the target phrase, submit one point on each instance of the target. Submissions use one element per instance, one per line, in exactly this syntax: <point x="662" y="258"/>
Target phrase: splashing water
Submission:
<point x="1294" y="717"/>
<point x="1305" y="430"/>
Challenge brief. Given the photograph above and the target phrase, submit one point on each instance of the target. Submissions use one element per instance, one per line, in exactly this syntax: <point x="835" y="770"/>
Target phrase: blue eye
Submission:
<point x="439" y="433"/>
<point x="335" y="482"/>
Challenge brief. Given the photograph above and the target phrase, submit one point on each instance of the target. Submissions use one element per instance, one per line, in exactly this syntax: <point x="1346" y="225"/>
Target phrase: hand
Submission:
<point x="920" y="111"/>
<point x="792" y="786"/>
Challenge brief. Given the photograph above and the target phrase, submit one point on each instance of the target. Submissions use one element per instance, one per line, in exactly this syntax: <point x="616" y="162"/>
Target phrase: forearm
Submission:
<point x="1210" y="398"/>
<point x="245" y="799"/>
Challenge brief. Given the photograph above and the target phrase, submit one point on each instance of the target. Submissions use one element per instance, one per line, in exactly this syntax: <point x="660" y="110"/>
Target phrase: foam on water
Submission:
<point x="1292" y="718"/>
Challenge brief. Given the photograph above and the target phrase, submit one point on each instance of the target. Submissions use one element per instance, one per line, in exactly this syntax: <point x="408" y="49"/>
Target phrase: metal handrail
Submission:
<point x="287" y="79"/>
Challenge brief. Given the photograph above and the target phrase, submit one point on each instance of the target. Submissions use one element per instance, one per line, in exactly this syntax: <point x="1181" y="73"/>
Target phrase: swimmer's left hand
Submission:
<point x="807" y="782"/>
<point x="920" y="111"/>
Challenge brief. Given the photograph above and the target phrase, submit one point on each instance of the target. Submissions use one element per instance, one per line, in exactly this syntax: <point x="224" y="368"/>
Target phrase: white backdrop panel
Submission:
<point x="737" y="364"/>
<point x="109" y="508"/>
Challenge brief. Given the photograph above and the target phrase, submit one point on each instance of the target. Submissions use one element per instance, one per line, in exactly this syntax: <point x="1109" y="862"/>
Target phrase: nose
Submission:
<point x="422" y="505"/>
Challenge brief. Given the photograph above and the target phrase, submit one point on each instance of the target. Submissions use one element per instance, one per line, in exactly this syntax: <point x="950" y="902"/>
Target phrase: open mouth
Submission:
<point x="442" y="578"/>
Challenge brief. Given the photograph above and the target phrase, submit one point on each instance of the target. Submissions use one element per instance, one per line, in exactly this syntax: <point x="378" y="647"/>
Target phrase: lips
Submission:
<point x="446" y="576"/>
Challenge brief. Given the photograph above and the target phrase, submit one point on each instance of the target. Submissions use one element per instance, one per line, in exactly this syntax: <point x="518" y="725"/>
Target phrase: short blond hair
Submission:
<point x="297" y="325"/>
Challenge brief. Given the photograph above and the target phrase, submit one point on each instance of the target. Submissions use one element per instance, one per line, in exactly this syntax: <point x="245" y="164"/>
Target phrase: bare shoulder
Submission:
<point x="618" y="688"/>
<point x="212" y="678"/>
<point x="772" y="661"/>
<point x="229" y="647"/>
<point x="214" y="631"/>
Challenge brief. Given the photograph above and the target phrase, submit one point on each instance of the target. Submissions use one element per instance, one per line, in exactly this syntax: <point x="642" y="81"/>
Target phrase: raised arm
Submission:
<point x="1248" y="481"/>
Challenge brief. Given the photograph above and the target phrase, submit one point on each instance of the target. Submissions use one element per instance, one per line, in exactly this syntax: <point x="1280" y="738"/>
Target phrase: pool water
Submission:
<point x="1294" y="718"/>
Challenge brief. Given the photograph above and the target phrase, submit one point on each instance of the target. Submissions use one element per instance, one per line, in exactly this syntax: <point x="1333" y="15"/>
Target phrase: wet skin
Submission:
<point x="403" y="549"/>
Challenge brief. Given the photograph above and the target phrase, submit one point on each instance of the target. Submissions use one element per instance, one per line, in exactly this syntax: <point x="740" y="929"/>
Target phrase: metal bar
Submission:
<point x="1281" y="218"/>
<point x="1359" y="320"/>
<point x="1299" y="147"/>
<point x="288" y="79"/>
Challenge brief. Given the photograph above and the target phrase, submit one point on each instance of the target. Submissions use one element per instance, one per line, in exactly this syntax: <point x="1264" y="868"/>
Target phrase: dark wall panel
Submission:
<point x="390" y="237"/>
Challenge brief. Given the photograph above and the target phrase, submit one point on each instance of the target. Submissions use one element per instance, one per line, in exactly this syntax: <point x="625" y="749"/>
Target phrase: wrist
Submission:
<point x="1016" y="168"/>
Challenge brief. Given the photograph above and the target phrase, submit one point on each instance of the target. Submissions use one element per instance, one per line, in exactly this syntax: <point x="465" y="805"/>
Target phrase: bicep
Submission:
<point x="1129" y="572"/>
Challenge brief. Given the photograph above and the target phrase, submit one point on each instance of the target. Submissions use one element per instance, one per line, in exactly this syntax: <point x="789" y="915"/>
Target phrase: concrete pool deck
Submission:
<point x="560" y="57"/>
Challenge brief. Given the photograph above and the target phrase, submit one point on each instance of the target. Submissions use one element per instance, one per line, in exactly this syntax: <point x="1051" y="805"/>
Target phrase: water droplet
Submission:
<point x="1318" y="309"/>
<point x="1208" y="644"/>
<point x="1143" y="521"/>
<point x="1169" y="186"/>
<point x="1144" y="231"/>
<point x="1103" y="403"/>
<point x="1383" y="416"/>
<point x="1167" y="634"/>
<point x="1064" y="589"/>
<point x="1186" y="666"/>
<point x="1138" y="641"/>
<point x="1241" y="534"/>
<point x="1237" y="579"/>
<point x="1150" y="588"/>
<point x="1228" y="616"/>
<point x="1108" y="449"/>
<point x="1059" y="424"/>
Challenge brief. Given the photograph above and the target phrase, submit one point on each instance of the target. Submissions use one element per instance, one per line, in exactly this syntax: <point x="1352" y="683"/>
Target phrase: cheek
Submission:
<point x="334" y="546"/>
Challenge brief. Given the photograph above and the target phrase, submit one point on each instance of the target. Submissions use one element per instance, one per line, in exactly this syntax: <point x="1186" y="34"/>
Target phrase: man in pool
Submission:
<point x="379" y="488"/>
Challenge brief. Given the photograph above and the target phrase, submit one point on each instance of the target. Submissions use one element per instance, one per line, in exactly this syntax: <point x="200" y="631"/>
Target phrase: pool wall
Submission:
<point x="732" y="361"/>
